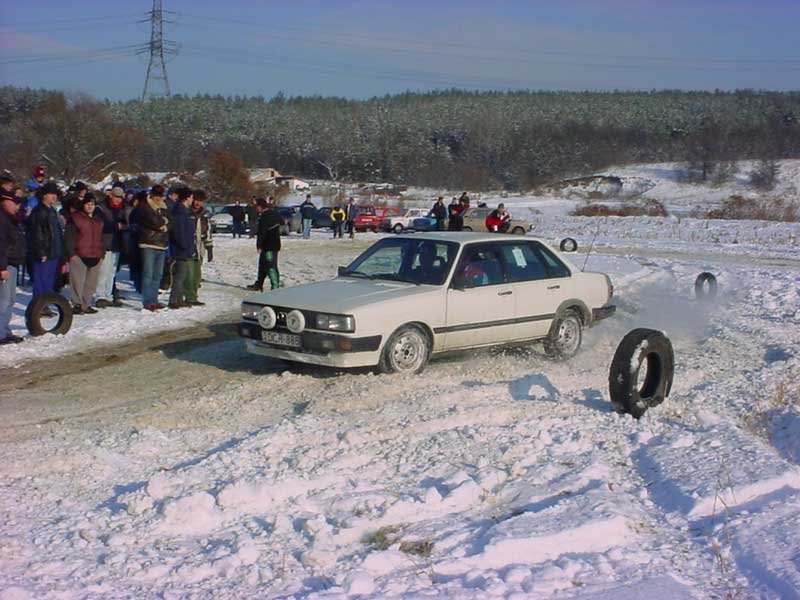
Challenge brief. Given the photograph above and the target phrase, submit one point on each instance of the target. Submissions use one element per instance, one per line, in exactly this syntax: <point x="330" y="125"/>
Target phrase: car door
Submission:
<point x="538" y="289"/>
<point x="480" y="303"/>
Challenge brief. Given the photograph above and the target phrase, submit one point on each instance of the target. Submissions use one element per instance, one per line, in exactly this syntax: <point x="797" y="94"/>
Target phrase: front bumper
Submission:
<point x="598" y="314"/>
<point x="327" y="349"/>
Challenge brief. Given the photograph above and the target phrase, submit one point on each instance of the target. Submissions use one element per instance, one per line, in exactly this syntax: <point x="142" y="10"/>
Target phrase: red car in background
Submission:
<point x="369" y="217"/>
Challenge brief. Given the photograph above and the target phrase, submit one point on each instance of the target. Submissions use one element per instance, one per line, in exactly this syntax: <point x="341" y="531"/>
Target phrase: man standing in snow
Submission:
<point x="351" y="212"/>
<point x="45" y="240"/>
<point x="268" y="242"/>
<point x="456" y="215"/>
<point x="238" y="216"/>
<point x="337" y="216"/>
<point x="111" y="211"/>
<point x="152" y="228"/>
<point x="439" y="212"/>
<point x="183" y="247"/>
<point x="12" y="256"/>
<point x="34" y="184"/>
<point x="199" y="217"/>
<point x="307" y="212"/>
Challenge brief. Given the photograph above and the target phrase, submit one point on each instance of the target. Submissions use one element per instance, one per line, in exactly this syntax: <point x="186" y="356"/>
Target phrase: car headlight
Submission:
<point x="344" y="323"/>
<point x="250" y="311"/>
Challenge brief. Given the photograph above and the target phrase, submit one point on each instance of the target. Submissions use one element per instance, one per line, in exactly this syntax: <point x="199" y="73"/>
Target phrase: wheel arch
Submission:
<point x="583" y="310"/>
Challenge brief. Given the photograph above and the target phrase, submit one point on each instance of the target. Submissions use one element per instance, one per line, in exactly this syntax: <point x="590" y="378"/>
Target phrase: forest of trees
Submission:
<point x="455" y="139"/>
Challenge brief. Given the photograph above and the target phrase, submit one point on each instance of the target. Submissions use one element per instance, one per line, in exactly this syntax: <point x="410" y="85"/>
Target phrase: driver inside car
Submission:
<point x="430" y="265"/>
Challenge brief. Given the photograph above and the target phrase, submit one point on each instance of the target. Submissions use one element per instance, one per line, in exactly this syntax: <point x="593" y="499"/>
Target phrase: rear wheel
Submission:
<point x="398" y="228"/>
<point x="518" y="231"/>
<point x="466" y="228"/>
<point x="565" y="337"/>
<point x="407" y="351"/>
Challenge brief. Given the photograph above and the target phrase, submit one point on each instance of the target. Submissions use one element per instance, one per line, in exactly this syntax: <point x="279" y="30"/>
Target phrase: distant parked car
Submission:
<point x="475" y="220"/>
<point x="221" y="220"/>
<point x="423" y="224"/>
<point x="321" y="220"/>
<point x="370" y="217"/>
<point x="398" y="223"/>
<point x="287" y="213"/>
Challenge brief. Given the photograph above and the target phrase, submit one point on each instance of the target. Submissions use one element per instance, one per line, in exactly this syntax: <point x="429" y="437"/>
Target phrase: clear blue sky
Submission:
<point x="361" y="48"/>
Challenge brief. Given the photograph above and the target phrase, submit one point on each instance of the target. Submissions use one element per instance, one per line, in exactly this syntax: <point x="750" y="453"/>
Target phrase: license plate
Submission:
<point x="281" y="339"/>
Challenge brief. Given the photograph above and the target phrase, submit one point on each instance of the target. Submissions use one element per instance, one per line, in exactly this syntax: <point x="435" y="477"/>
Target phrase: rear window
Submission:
<point x="555" y="267"/>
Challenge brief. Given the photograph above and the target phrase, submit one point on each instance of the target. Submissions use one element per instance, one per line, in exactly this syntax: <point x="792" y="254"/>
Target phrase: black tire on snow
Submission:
<point x="33" y="314"/>
<point x="640" y="347"/>
<point x="518" y="231"/>
<point x="568" y="245"/>
<point x="700" y="292"/>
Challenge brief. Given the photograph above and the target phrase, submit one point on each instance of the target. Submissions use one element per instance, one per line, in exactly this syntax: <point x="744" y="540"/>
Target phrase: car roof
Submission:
<point x="466" y="237"/>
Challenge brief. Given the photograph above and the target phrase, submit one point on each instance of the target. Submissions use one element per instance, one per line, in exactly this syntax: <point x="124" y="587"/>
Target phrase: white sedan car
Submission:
<point x="408" y="297"/>
<point x="398" y="223"/>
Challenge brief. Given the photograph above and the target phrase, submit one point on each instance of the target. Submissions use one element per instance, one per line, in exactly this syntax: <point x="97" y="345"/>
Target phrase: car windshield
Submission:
<point x="409" y="260"/>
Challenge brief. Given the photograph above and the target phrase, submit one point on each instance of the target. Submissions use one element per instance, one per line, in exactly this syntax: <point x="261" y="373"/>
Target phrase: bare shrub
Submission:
<point x="649" y="208"/>
<point x="227" y="177"/>
<point x="740" y="208"/>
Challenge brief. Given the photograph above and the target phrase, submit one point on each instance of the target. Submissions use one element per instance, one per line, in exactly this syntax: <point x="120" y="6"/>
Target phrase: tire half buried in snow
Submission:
<point x="700" y="291"/>
<point x="641" y="372"/>
<point x="39" y="323"/>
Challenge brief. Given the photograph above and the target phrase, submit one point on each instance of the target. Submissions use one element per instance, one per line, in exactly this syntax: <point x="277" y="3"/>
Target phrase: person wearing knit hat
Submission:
<point x="112" y="212"/>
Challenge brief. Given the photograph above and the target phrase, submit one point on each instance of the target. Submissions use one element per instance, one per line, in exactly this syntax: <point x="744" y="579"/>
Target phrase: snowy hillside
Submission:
<point x="179" y="466"/>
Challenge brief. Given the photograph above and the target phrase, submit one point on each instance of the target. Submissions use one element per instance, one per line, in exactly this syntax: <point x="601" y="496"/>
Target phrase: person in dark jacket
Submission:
<point x="350" y="214"/>
<point x="268" y="243"/>
<point x="455" y="212"/>
<point x="202" y="231"/>
<point x="182" y="247"/>
<point x="252" y="216"/>
<point x="134" y="250"/>
<point x="12" y="257"/>
<point x="152" y="226"/>
<point x="307" y="212"/>
<point x="84" y="248"/>
<point x="113" y="216"/>
<point x="238" y="215"/>
<point x="45" y="240"/>
<point x="439" y="212"/>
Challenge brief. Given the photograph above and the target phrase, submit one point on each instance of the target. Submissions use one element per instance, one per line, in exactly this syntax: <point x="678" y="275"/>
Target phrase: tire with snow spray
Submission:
<point x="632" y="389"/>
<point x="700" y="291"/>
<point x="568" y="245"/>
<point x="33" y="314"/>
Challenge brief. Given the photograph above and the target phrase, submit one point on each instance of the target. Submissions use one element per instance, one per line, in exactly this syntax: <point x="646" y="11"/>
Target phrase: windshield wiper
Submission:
<point x="359" y="274"/>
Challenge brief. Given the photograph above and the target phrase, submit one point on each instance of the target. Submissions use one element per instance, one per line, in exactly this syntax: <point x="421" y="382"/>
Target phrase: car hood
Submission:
<point x="221" y="217"/>
<point x="341" y="295"/>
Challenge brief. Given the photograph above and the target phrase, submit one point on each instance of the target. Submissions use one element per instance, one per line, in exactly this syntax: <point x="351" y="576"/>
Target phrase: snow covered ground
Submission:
<point x="195" y="470"/>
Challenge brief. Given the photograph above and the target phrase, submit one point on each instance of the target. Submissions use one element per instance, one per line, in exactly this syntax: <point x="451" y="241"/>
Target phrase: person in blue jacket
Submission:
<point x="182" y="247"/>
<point x="34" y="183"/>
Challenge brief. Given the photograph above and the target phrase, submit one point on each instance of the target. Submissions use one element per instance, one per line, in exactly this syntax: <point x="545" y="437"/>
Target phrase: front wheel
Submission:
<point x="407" y="351"/>
<point x="466" y="228"/>
<point x="565" y="337"/>
<point x="518" y="231"/>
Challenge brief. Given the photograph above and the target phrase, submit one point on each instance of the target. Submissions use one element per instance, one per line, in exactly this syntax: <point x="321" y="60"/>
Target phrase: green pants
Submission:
<point x="192" y="281"/>
<point x="268" y="268"/>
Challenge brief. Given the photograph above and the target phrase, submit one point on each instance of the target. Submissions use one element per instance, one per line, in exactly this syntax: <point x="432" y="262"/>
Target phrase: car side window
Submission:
<point x="480" y="265"/>
<point x="555" y="268"/>
<point x="523" y="263"/>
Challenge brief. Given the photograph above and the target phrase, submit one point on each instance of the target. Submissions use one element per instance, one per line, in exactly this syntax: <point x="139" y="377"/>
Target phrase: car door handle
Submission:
<point x="553" y="287"/>
<point x="508" y="293"/>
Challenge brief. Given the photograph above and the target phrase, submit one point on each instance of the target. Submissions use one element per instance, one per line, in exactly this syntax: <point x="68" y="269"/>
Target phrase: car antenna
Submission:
<point x="589" y="251"/>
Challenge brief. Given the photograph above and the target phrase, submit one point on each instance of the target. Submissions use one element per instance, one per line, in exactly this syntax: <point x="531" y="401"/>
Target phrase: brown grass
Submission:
<point x="649" y="208"/>
<point x="740" y="208"/>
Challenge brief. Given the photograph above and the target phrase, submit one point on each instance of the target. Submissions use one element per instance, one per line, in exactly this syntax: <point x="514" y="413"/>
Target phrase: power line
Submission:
<point x="439" y="44"/>
<point x="69" y="54"/>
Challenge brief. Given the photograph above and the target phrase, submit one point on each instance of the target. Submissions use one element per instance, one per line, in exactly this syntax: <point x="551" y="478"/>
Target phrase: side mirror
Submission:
<point x="341" y="271"/>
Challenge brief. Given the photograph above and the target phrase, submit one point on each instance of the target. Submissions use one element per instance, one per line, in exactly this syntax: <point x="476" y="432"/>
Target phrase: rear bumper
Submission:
<point x="326" y="349"/>
<point x="598" y="314"/>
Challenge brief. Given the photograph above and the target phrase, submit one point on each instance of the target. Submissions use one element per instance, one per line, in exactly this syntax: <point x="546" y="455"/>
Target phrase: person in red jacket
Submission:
<point x="498" y="220"/>
<point x="83" y="241"/>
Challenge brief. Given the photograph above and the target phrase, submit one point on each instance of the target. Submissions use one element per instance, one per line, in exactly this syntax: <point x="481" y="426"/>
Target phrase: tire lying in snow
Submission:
<point x="700" y="291"/>
<point x="641" y="371"/>
<point x="56" y="303"/>
<point x="568" y="245"/>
